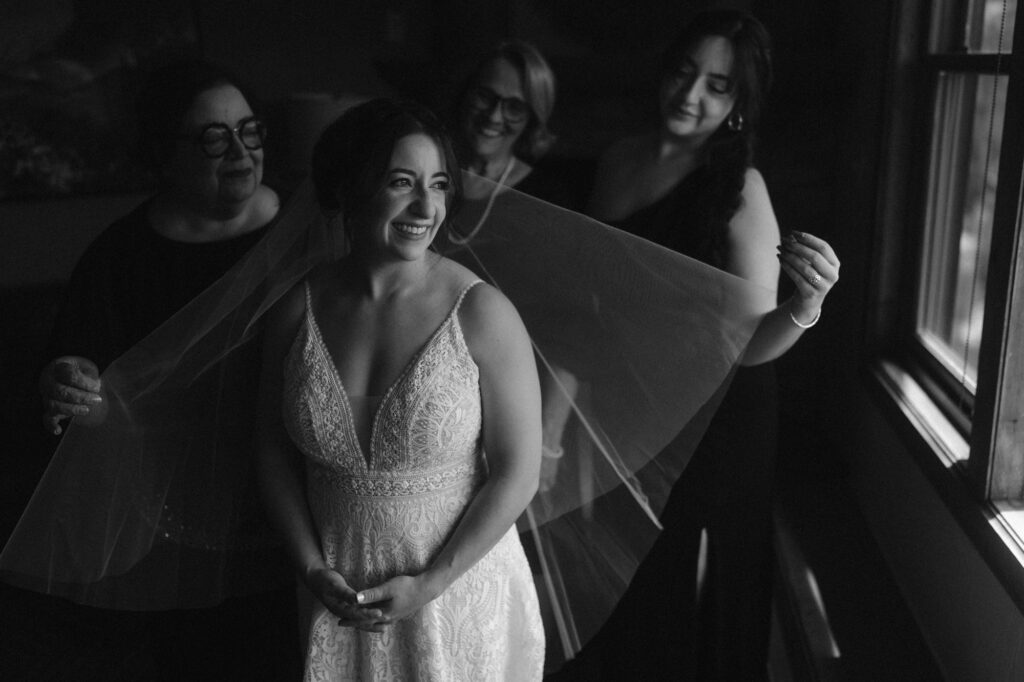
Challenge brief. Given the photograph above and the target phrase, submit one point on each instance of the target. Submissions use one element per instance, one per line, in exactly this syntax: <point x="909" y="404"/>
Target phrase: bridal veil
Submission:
<point x="152" y="508"/>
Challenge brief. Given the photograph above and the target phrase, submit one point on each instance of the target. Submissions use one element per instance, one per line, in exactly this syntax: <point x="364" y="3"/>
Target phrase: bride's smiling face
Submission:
<point x="407" y="212"/>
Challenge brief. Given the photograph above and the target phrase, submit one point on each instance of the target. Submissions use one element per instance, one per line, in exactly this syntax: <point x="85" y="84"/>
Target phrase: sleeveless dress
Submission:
<point x="388" y="512"/>
<point x="723" y="632"/>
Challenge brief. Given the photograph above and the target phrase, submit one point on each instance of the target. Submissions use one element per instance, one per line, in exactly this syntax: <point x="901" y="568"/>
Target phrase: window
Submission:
<point x="962" y="335"/>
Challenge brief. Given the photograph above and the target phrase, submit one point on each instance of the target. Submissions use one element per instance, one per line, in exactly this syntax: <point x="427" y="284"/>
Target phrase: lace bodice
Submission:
<point x="428" y="421"/>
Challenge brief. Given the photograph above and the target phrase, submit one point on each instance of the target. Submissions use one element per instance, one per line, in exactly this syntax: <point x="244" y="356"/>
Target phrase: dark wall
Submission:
<point x="819" y="149"/>
<point x="604" y="52"/>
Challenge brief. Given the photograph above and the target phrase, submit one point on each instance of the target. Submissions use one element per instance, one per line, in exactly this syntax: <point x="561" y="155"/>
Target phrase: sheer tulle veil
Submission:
<point x="154" y="508"/>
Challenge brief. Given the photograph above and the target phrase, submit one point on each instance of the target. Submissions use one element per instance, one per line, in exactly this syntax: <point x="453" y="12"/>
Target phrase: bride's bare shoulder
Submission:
<point x="481" y="303"/>
<point x="490" y="321"/>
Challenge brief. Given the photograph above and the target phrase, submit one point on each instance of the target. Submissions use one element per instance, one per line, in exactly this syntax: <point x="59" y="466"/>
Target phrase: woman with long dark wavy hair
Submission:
<point x="690" y="185"/>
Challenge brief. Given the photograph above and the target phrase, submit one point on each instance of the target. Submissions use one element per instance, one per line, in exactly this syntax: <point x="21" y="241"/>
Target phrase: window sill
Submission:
<point x="996" y="529"/>
<point x="932" y="426"/>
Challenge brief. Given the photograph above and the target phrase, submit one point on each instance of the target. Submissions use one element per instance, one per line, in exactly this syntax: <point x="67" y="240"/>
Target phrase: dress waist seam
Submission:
<point x="397" y="486"/>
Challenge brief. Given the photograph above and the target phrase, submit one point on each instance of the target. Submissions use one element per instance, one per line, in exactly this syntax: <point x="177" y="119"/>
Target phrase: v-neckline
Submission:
<point x="367" y="457"/>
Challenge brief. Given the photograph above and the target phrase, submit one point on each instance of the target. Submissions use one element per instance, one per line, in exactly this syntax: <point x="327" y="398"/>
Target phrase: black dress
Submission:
<point x="129" y="281"/>
<point x="661" y="629"/>
<point x="562" y="182"/>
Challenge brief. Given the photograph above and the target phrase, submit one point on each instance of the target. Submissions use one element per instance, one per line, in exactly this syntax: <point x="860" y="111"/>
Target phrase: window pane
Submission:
<point x="964" y="167"/>
<point x="973" y="26"/>
<point x="990" y="26"/>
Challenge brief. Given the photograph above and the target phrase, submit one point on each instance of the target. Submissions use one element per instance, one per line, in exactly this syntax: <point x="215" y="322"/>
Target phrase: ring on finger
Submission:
<point x="816" y="280"/>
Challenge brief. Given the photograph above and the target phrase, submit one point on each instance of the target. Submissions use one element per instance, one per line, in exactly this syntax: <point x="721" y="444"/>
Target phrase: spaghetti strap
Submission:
<point x="462" y="295"/>
<point x="308" y="296"/>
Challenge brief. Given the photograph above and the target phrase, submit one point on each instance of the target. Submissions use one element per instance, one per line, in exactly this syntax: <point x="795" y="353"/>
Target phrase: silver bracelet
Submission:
<point x="817" y="316"/>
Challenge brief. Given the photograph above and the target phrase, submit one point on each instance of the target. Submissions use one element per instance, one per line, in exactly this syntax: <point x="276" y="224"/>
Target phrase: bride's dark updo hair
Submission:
<point x="729" y="152"/>
<point x="351" y="157"/>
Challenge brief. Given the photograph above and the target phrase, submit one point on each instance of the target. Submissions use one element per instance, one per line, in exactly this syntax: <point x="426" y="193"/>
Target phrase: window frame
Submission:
<point x="994" y="468"/>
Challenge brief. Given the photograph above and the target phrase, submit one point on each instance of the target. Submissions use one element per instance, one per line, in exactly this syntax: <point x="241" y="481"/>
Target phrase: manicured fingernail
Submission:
<point x="94" y="399"/>
<point x="360" y="597"/>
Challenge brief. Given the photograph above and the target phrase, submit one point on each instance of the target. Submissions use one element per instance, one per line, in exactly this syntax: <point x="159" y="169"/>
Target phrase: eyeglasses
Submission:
<point x="512" y="108"/>
<point x="215" y="139"/>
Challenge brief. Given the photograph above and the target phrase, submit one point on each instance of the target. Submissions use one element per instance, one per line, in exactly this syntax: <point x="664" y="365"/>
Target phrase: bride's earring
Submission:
<point x="735" y="122"/>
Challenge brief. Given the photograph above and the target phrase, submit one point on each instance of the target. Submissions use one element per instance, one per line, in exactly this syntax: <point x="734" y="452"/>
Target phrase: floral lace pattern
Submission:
<point x="389" y="513"/>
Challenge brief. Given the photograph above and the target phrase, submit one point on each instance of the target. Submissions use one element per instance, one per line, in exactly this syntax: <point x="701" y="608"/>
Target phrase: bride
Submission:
<point x="388" y="375"/>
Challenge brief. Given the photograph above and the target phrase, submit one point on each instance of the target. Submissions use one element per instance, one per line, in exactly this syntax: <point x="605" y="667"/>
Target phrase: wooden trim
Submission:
<point x="955" y="401"/>
<point x="997" y="444"/>
<point x="899" y="188"/>
<point x="968" y="63"/>
<point x="903" y="192"/>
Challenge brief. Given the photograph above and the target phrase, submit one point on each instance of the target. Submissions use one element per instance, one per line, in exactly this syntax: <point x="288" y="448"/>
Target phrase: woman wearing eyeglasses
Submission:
<point x="206" y="146"/>
<point x="502" y="122"/>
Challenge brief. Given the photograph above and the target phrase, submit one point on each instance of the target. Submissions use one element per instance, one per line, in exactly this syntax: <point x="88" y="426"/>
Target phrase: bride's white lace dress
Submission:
<point x="388" y="512"/>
